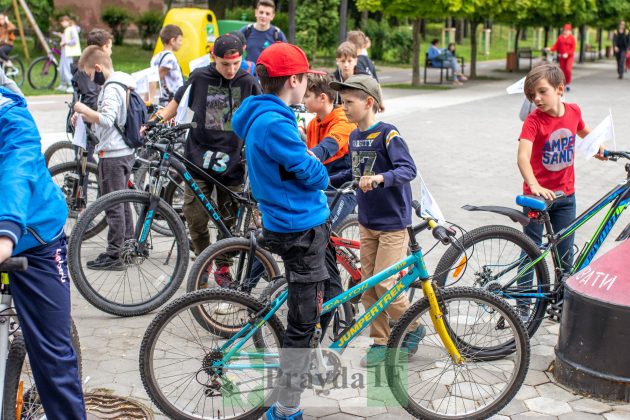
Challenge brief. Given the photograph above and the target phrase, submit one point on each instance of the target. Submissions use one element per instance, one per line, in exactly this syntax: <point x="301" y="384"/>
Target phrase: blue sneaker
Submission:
<point x="413" y="338"/>
<point x="272" y="415"/>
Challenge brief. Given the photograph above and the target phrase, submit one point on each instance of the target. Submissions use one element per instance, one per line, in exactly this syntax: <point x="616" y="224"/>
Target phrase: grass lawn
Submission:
<point x="127" y="58"/>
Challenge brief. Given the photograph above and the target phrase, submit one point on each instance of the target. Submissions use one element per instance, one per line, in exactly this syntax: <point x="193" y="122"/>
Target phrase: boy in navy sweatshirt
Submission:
<point x="287" y="181"/>
<point x="379" y="154"/>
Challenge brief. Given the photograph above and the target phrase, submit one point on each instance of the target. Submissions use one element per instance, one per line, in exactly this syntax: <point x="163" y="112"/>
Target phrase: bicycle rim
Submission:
<point x="428" y="384"/>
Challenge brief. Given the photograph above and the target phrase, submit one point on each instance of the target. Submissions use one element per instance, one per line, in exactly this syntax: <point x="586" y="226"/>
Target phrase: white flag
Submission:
<point x="184" y="113"/>
<point x="589" y="145"/>
<point x="518" y="87"/>
<point x="80" y="133"/>
<point x="428" y="206"/>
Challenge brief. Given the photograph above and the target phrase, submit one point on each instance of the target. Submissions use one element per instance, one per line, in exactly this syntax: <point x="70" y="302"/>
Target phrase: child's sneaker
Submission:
<point x="106" y="262"/>
<point x="375" y="356"/>
<point x="413" y="338"/>
<point x="272" y="415"/>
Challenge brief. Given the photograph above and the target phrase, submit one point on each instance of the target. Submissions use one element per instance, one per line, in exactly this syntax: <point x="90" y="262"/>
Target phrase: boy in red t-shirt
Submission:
<point x="546" y="151"/>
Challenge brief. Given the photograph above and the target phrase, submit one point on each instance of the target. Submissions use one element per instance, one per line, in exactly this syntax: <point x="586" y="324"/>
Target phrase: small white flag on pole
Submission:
<point x="589" y="145"/>
<point x="202" y="61"/>
<point x="428" y="206"/>
<point x="184" y="113"/>
<point x="518" y="87"/>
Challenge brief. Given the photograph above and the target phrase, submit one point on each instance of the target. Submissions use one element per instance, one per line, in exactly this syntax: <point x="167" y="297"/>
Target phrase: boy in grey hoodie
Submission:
<point x="115" y="157"/>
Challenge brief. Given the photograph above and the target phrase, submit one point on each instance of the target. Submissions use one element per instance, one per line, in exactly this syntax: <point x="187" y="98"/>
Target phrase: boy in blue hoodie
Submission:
<point x="32" y="216"/>
<point x="287" y="180"/>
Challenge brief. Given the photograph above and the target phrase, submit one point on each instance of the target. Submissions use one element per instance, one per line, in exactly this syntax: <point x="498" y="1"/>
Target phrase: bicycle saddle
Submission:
<point x="537" y="203"/>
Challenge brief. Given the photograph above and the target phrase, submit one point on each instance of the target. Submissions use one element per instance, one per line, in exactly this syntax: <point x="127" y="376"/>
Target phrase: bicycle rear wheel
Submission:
<point x="491" y="258"/>
<point x="428" y="384"/>
<point x="64" y="176"/>
<point x="141" y="279"/>
<point x="177" y="356"/>
<point x="42" y="73"/>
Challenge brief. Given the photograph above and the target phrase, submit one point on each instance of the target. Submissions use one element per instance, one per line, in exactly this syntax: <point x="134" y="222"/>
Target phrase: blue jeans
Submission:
<point x="562" y="212"/>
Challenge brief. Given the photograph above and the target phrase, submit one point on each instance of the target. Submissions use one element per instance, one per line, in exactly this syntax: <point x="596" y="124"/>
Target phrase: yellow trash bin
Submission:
<point x="200" y="30"/>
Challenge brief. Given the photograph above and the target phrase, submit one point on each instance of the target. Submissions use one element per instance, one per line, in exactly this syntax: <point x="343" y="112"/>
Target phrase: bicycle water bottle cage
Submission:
<point x="532" y="202"/>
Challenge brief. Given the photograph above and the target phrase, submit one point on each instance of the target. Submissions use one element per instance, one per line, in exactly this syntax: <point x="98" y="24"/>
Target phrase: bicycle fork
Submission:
<point x="437" y="317"/>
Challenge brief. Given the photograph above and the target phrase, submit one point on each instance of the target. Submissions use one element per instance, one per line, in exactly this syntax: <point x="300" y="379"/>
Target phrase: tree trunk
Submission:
<point x="466" y="26"/>
<point x="582" y="37"/>
<point x="524" y="34"/>
<point x="217" y="6"/>
<point x="600" y="34"/>
<point x="292" y="10"/>
<point x="423" y="28"/>
<point x="343" y="19"/>
<point x="516" y="38"/>
<point x="473" y="48"/>
<point x="546" y="41"/>
<point x="364" y="18"/>
<point x="415" y="68"/>
<point x="459" y="31"/>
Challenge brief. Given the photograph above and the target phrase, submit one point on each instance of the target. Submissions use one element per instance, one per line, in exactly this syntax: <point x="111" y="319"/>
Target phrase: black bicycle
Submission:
<point x="152" y="262"/>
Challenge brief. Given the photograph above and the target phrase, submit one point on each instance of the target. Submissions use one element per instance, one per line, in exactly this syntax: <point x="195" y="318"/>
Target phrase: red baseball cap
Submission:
<point x="283" y="59"/>
<point x="567" y="27"/>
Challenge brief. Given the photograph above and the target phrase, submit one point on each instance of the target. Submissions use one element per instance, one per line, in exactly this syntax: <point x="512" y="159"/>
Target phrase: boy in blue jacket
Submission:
<point x="32" y="216"/>
<point x="287" y="181"/>
<point x="379" y="154"/>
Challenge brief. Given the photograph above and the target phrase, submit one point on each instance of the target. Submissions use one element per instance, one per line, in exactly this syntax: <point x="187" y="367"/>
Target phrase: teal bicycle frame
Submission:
<point x="417" y="271"/>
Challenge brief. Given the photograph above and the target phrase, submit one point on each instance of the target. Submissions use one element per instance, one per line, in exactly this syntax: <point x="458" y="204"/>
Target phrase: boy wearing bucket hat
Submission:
<point x="287" y="181"/>
<point x="379" y="154"/>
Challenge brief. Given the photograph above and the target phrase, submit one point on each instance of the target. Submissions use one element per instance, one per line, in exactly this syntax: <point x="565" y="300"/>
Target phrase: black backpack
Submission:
<point x="137" y="116"/>
<point x="276" y="32"/>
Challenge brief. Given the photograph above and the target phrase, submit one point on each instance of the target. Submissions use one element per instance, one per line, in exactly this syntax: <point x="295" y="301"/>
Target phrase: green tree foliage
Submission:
<point x="399" y="43"/>
<point x="118" y="19"/>
<point x="149" y="24"/>
<point x="377" y="32"/>
<point x="316" y="25"/>
<point x="42" y="11"/>
<point x="610" y="12"/>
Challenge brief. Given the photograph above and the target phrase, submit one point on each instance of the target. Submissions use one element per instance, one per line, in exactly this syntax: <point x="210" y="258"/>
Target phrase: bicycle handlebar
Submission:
<point x="615" y="155"/>
<point x="438" y="231"/>
<point x="14" y="264"/>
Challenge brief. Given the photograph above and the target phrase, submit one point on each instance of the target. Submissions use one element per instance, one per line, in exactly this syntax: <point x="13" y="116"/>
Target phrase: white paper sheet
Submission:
<point x="518" y="87"/>
<point x="184" y="113"/>
<point x="589" y="145"/>
<point x="80" y="134"/>
<point x="202" y="61"/>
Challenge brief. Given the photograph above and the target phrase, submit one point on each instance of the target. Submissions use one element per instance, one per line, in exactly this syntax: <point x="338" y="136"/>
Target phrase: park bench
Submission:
<point x="428" y="64"/>
<point x="525" y="53"/>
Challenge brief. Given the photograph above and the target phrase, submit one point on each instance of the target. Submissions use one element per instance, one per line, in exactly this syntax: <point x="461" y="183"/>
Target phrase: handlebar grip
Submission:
<point x="441" y="234"/>
<point x="416" y="206"/>
<point x="14" y="264"/>
<point x="186" y="126"/>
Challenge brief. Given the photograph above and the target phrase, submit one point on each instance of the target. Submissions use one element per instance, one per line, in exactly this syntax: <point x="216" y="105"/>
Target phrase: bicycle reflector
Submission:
<point x="533" y="214"/>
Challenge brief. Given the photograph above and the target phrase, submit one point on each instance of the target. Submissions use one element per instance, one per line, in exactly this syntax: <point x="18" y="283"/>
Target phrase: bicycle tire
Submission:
<point x="481" y="263"/>
<point x="63" y="146"/>
<point x="37" y="78"/>
<point x="135" y="306"/>
<point x="400" y="361"/>
<point x="92" y="172"/>
<point x="154" y="350"/>
<point x="350" y="222"/>
<point x="17" y="362"/>
<point x="200" y="271"/>
<point x="19" y="65"/>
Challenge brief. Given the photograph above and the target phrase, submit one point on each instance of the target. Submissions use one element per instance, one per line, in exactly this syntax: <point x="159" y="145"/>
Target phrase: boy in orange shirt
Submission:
<point x="327" y="137"/>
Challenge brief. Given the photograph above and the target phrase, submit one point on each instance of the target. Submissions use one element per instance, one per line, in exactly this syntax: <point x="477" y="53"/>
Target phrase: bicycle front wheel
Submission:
<point x="494" y="258"/>
<point x="42" y="73"/>
<point x="183" y="366"/>
<point x="20" y="392"/>
<point x="428" y="384"/>
<point x="137" y="278"/>
<point x="59" y="152"/>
